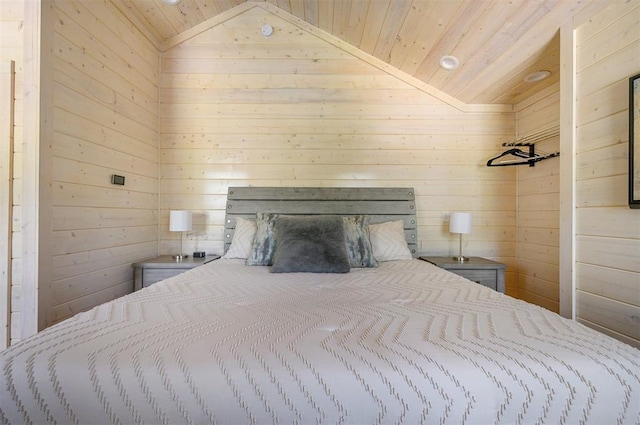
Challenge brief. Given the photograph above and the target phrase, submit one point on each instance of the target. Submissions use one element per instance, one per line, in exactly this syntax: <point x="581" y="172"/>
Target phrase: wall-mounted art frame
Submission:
<point x="634" y="141"/>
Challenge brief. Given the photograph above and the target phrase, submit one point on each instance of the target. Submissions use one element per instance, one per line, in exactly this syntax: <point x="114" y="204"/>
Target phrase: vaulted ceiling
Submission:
<point x="497" y="42"/>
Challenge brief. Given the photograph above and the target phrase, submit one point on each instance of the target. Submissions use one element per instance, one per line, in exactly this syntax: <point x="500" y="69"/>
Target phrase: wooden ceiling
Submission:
<point x="498" y="42"/>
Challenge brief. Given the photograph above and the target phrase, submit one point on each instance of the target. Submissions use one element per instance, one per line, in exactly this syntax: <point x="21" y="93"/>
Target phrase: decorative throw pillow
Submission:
<point x="313" y="244"/>
<point x="242" y="241"/>
<point x="388" y="241"/>
<point x="264" y="243"/>
<point x="358" y="242"/>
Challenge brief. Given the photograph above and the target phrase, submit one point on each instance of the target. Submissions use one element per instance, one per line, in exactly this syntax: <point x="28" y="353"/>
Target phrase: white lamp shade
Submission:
<point x="460" y="222"/>
<point x="180" y="221"/>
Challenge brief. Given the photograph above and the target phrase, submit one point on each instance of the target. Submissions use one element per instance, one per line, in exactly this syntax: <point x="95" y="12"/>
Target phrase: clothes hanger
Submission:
<point x="524" y="158"/>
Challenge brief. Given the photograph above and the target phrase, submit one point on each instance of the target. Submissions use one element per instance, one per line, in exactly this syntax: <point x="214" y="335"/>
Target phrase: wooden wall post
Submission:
<point x="7" y="96"/>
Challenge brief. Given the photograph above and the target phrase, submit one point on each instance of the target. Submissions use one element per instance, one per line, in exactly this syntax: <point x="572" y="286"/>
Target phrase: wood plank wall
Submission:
<point x="300" y="109"/>
<point x="11" y="49"/>
<point x="538" y="204"/>
<point x="607" y="231"/>
<point x="105" y="122"/>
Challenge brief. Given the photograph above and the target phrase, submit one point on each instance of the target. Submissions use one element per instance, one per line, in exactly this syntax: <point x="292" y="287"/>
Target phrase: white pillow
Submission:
<point x="242" y="241"/>
<point x="388" y="241"/>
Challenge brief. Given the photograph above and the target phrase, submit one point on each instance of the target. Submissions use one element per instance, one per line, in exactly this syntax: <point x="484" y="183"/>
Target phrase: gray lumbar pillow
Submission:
<point x="314" y="244"/>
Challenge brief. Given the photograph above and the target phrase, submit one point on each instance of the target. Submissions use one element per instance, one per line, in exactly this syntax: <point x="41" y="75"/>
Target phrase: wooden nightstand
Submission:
<point x="480" y="270"/>
<point x="150" y="271"/>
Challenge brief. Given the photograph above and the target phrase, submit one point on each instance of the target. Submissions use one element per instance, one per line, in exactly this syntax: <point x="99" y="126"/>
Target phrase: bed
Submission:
<point x="396" y="342"/>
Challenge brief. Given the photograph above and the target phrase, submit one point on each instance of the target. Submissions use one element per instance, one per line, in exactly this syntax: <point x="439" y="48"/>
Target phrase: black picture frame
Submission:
<point x="634" y="142"/>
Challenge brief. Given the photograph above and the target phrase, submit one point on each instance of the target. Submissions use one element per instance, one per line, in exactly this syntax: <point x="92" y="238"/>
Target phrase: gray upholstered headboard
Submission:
<point x="381" y="204"/>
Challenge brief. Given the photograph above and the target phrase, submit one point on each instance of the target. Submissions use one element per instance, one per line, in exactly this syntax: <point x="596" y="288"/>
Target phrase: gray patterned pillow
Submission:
<point x="313" y="244"/>
<point x="264" y="243"/>
<point x="358" y="242"/>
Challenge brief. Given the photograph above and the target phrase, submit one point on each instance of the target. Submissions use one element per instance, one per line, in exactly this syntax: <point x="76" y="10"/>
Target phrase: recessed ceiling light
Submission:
<point x="266" y="30"/>
<point x="449" y="62"/>
<point x="536" y="76"/>
<point x="171" y="2"/>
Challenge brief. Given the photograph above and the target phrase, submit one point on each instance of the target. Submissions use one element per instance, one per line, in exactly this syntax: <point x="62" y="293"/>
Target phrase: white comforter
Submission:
<point x="404" y="343"/>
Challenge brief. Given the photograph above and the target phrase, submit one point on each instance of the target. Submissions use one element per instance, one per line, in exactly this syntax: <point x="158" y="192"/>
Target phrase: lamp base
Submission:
<point x="181" y="257"/>
<point x="461" y="259"/>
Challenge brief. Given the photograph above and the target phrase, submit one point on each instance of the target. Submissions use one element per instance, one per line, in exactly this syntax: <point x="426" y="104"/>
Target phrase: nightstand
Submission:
<point x="154" y="270"/>
<point x="480" y="270"/>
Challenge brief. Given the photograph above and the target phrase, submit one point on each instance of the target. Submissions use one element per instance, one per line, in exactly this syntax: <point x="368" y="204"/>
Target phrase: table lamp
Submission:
<point x="460" y="222"/>
<point x="180" y="221"/>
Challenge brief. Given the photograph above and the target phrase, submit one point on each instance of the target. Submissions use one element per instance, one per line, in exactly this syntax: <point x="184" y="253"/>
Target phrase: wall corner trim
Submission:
<point x="567" y="169"/>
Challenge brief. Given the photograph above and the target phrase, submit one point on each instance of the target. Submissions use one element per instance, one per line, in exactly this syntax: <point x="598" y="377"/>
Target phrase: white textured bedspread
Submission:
<point x="403" y="343"/>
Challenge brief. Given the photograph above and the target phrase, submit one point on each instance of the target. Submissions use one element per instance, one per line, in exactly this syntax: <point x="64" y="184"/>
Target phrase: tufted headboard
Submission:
<point x="380" y="203"/>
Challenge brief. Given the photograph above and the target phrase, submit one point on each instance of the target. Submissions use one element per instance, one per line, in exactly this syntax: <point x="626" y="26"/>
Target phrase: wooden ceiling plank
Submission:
<point x="512" y="86"/>
<point x="325" y="16"/>
<point x="357" y="20"/>
<point x="170" y="15"/>
<point x="435" y="23"/>
<point x="518" y="23"/>
<point x="273" y="2"/>
<point x="519" y="52"/>
<point x="461" y="27"/>
<point x="409" y="31"/>
<point x="311" y="12"/>
<point x="341" y="11"/>
<point x="548" y="59"/>
<point x="396" y="14"/>
<point x="183" y="15"/>
<point x="154" y="15"/>
<point x="283" y="4"/>
<point x="208" y="8"/>
<point x="491" y="28"/>
<point x="298" y="8"/>
<point x="224" y="5"/>
<point x="375" y="18"/>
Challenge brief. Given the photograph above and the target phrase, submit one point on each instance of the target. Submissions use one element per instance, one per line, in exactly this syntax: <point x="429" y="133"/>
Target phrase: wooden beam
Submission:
<point x="567" y="169"/>
<point x="7" y="96"/>
<point x="36" y="172"/>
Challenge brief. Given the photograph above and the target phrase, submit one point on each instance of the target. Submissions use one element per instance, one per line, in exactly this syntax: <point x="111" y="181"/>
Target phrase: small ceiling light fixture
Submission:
<point x="266" y="30"/>
<point x="171" y="2"/>
<point x="449" y="62"/>
<point x="536" y="76"/>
